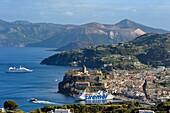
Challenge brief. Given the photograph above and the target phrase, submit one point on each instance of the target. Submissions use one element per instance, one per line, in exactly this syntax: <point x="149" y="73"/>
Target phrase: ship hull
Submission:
<point x="95" y="97"/>
<point x="19" y="71"/>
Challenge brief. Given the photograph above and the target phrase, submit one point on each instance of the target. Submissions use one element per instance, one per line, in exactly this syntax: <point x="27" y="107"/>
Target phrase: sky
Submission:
<point x="154" y="13"/>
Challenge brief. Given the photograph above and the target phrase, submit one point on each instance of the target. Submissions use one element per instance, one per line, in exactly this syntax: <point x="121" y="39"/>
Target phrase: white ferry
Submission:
<point x="18" y="70"/>
<point x="100" y="95"/>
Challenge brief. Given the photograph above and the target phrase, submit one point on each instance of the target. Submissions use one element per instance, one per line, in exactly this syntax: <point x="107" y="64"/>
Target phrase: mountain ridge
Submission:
<point x="131" y="24"/>
<point x="24" y="33"/>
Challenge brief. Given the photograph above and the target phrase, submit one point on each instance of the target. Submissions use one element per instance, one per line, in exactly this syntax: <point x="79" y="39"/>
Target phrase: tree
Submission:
<point x="10" y="105"/>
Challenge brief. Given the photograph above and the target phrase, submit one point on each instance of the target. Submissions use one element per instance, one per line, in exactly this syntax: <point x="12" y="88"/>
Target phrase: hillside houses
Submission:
<point x="129" y="84"/>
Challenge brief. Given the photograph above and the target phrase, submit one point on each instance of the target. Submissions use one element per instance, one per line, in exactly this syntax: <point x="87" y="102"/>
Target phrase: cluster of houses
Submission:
<point x="140" y="84"/>
<point x="87" y="79"/>
<point x="137" y="84"/>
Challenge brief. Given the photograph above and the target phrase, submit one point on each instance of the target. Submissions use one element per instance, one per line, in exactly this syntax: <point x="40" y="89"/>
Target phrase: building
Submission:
<point x="146" y="111"/>
<point x="80" y="74"/>
<point x="61" y="111"/>
<point x="107" y="65"/>
<point x="82" y="84"/>
<point x="95" y="72"/>
<point x="160" y="68"/>
<point x="84" y="69"/>
<point x="2" y="110"/>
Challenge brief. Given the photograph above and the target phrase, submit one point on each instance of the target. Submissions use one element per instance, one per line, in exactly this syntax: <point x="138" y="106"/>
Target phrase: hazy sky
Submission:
<point x="154" y="13"/>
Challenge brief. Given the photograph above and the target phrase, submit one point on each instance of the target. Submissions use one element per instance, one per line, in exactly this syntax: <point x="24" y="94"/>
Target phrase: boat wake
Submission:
<point x="43" y="102"/>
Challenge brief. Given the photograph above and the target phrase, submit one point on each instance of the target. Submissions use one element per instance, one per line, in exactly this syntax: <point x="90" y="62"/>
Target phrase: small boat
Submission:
<point x="18" y="70"/>
<point x="36" y="101"/>
<point x="33" y="100"/>
<point x="100" y="95"/>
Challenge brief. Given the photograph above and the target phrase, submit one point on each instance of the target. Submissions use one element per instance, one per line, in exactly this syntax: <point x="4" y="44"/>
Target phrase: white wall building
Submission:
<point x="62" y="111"/>
<point x="146" y="111"/>
<point x="2" y="110"/>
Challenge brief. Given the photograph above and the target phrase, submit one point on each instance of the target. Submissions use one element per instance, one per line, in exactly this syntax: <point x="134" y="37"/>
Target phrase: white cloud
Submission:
<point x="69" y="13"/>
<point x="81" y="11"/>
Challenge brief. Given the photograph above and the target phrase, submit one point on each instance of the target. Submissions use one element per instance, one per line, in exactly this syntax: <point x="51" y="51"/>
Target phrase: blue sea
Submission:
<point x="42" y="83"/>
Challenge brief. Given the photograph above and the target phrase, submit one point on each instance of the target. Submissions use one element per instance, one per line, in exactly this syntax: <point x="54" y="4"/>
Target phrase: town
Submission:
<point x="146" y="86"/>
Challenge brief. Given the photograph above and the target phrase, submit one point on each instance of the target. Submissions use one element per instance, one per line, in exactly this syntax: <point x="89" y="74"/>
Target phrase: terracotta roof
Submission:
<point x="82" y="83"/>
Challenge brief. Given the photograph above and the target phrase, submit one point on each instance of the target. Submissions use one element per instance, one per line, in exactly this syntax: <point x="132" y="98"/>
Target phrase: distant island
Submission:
<point x="74" y="45"/>
<point x="24" y="33"/>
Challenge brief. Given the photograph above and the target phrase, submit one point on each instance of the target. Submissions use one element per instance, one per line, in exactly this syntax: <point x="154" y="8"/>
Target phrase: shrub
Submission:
<point x="10" y="105"/>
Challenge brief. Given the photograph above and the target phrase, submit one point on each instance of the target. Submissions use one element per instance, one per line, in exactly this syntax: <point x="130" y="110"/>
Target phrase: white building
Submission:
<point x="62" y="111"/>
<point x="160" y="68"/>
<point x="2" y="110"/>
<point x="146" y="111"/>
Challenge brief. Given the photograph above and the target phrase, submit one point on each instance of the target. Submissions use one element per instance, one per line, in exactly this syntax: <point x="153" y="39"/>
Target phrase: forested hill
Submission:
<point x="24" y="33"/>
<point x="148" y="49"/>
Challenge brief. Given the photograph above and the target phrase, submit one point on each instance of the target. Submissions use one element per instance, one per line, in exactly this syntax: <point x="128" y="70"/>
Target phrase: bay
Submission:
<point x="42" y="83"/>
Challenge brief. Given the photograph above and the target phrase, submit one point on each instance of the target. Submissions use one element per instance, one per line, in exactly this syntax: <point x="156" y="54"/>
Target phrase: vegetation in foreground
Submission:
<point x="128" y="107"/>
<point x="11" y="106"/>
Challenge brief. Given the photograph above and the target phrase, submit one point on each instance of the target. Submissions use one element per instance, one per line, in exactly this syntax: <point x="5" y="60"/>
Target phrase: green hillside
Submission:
<point x="149" y="49"/>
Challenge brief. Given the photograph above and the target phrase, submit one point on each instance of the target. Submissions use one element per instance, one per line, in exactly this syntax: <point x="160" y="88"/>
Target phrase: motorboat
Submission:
<point x="33" y="100"/>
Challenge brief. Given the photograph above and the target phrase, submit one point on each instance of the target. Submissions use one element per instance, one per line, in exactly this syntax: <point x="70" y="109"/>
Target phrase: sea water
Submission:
<point x="41" y="84"/>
